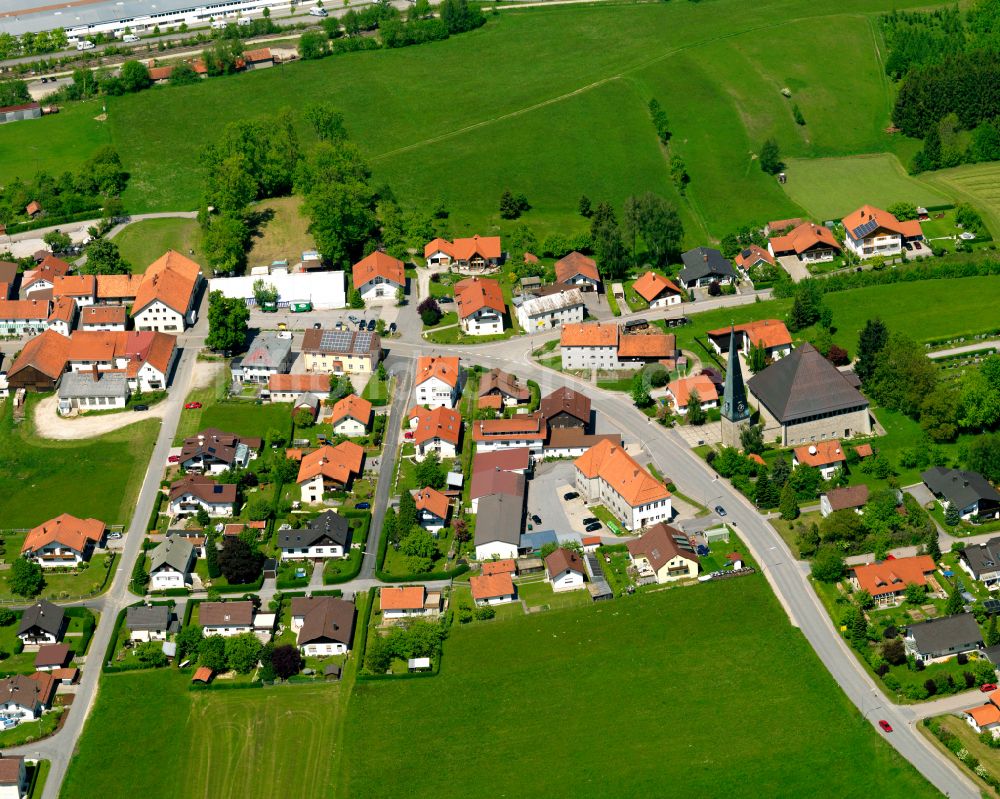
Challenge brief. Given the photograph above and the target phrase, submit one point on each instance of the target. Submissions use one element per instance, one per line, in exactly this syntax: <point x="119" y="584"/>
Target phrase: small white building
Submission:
<point x="226" y="618"/>
<point x="411" y="601"/>
<point x="493" y="589"/>
<point x="324" y="625"/>
<point x="564" y="570"/>
<point x="326" y="536"/>
<point x="378" y="278"/>
<point x="148" y="622"/>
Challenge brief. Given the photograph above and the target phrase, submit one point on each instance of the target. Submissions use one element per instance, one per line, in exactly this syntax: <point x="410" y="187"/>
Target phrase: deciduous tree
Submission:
<point x="227" y="323"/>
<point x="239" y="563"/>
<point x="25" y="578"/>
<point x="242" y="652"/>
<point x="286" y="660"/>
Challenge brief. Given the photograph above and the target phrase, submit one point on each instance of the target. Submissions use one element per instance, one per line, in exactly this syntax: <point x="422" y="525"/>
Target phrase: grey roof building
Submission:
<point x="982" y="561"/>
<point x="87" y="385"/>
<point x="970" y="492"/>
<point x="327" y="529"/>
<point x="268" y="353"/>
<point x="152" y="618"/>
<point x="703" y="265"/>
<point x="43" y="619"/>
<point x="175" y="553"/>
<point x="499" y="517"/>
<point x="943" y="637"/>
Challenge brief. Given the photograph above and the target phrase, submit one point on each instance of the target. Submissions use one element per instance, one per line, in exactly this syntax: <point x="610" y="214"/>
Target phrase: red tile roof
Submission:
<point x="475" y="293"/>
<point x="66" y="530"/>
<point x="443" y="423"/>
<point x="410" y="597"/>
<point x="826" y="452"/>
<point x="751" y="255"/>
<point x="491" y="586"/>
<point x="573" y="264"/>
<point x="339" y="463"/>
<point x="432" y="500"/>
<point x="314" y="383"/>
<point x="892" y="576"/>
<point x="171" y="279"/>
<point x="352" y="406"/>
<point x="652" y="284"/>
<point x="443" y="368"/>
<point x="48" y="353"/>
<point x="520" y="427"/>
<point x="591" y="334"/>
<point x="804" y="237"/>
<point x="506" y="566"/>
<point x="378" y="264"/>
<point x="611" y="463"/>
<point x="681" y="389"/>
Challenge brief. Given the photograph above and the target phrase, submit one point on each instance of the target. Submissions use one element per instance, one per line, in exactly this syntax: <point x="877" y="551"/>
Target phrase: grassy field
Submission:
<point x="651" y="677"/>
<point x="717" y="69"/>
<point x="978" y="184"/>
<point x="283" y="236"/>
<point x="143" y="242"/>
<point x="40" y="478"/>
<point x="250" y="744"/>
<point x="830" y="188"/>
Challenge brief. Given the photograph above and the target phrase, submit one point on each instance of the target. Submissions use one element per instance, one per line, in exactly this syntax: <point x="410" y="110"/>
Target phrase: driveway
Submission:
<point x="545" y="497"/>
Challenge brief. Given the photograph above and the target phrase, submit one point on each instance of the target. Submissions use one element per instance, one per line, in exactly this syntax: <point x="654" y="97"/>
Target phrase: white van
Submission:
<point x="244" y="21"/>
<point x="85" y="44"/>
<point x="316" y="11"/>
<point x="219" y="24"/>
<point x="130" y="38"/>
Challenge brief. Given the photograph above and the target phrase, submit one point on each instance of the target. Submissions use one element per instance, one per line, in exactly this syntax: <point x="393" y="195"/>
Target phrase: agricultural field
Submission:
<point x="639" y="669"/>
<point x="143" y="242"/>
<point x="242" y="744"/>
<point x="830" y="188"/>
<point x="37" y="472"/>
<point x="718" y="71"/>
<point x="978" y="184"/>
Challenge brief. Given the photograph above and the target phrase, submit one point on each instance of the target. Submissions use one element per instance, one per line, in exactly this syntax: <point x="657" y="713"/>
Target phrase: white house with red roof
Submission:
<point x="480" y="305"/>
<point x="165" y="299"/>
<point x="576" y="269"/>
<point x="438" y="431"/>
<point x="870" y="231"/>
<point x="657" y="290"/>
<point x="63" y="541"/>
<point x="827" y="456"/>
<point x="478" y="253"/>
<point x="438" y="382"/>
<point x="378" y="277"/>
<point x="492" y="589"/>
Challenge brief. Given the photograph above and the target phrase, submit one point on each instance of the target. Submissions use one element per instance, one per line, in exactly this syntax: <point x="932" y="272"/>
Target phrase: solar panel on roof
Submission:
<point x="336" y="340"/>
<point x="992" y="605"/>
<point x="866" y="228"/>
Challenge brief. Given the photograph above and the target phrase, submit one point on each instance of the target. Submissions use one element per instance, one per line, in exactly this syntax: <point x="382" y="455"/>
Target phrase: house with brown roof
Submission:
<point x="43" y="277"/>
<point x="329" y="469"/>
<point x="82" y="289"/>
<point x="480" y="305"/>
<point x="870" y="231"/>
<point x="103" y="317"/>
<point x="679" y="392"/>
<point x="352" y="352"/>
<point x="827" y="456"/>
<point x="64" y="541"/>
<point x="657" y="290"/>
<point x="608" y="475"/>
<point x="663" y="554"/>
<point x="506" y="387"/>
<point x="226" y="618"/>
<point x="886" y="581"/>
<point x="40" y="363"/>
<point x="323" y="625"/>
<point x="288" y="388"/>
<point x="63" y="315"/>
<point x="576" y="269"/>
<point x="165" y="301"/>
<point x="195" y="492"/>
<point x="51" y="657"/>
<point x="522" y="430"/>
<point x="438" y="382"/>
<point x="438" y="430"/>
<point x="751" y="256"/>
<point x="808" y="242"/>
<point x="846" y="498"/>
<point x="771" y="334"/>
<point x="212" y="451"/>
<point x="24" y="697"/>
<point x="478" y="253"/>
<point x="404" y="602"/>
<point x="379" y="277"/>
<point x="433" y="509"/>
<point x="492" y="589"/>
<point x="350" y="416"/>
<point x="641" y="348"/>
<point x="564" y="570"/>
<point x="566" y="408"/>
<point x="258" y="58"/>
<point x="501" y="471"/>
<point x="13" y="777"/>
<point x="24" y="317"/>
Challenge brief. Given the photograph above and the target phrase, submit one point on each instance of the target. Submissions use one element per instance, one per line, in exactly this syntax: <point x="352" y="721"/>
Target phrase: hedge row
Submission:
<point x="424" y="577"/>
<point x="89" y="625"/>
<point x="245" y="588"/>
<point x="224" y="686"/>
<point x="361" y="637"/>
<point x="109" y="653"/>
<point x="171" y="592"/>
<point x="356" y="559"/>
<point x="155" y="515"/>
<point x="38" y="224"/>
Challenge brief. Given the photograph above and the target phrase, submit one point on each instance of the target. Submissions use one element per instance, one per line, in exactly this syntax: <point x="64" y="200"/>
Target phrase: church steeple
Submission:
<point x="734" y="395"/>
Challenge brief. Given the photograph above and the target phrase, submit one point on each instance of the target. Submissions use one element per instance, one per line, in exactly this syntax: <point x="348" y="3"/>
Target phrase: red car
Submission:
<point x="987" y="687"/>
<point x="192" y="406"/>
<point x="174" y="459"/>
<point x="885" y="725"/>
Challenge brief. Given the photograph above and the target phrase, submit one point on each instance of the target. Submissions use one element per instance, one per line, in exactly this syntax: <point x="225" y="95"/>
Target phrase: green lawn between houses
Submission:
<point x="143" y="242"/>
<point x="41" y="478"/>
<point x="656" y="675"/>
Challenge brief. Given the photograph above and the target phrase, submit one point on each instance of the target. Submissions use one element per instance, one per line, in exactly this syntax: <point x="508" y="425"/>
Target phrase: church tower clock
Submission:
<point x="735" y="411"/>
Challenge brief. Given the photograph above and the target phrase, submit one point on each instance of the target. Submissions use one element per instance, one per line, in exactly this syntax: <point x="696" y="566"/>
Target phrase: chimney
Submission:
<point x="704" y="255"/>
<point x="94" y="372"/>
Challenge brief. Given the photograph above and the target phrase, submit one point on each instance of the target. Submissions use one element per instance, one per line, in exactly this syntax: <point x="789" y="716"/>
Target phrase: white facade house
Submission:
<point x="551" y="310"/>
<point x="350" y="427"/>
<point x="226" y="618"/>
<point x="378" y="278"/>
<point x="148" y="622"/>
<point x="197" y="492"/>
<point x="13" y="777"/>
<point x="165" y="298"/>
<point x="436" y="393"/>
<point x="323" y="625"/>
<point x="493" y="589"/>
<point x="171" y="564"/>
<point x="326" y="536"/>
<point x="159" y="317"/>
<point x="21" y="317"/>
<point x="564" y="570"/>
<point x="406" y="602"/>
<point x="438" y="382"/>
<point x="605" y="473"/>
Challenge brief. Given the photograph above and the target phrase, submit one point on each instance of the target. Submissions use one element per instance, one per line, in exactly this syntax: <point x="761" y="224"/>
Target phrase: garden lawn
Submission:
<point x="143" y="242"/>
<point x="244" y="418"/>
<point x="283" y="234"/>
<point x="538" y="593"/>
<point x="830" y="188"/>
<point x="762" y="669"/>
<point x="34" y="471"/>
<point x="237" y="744"/>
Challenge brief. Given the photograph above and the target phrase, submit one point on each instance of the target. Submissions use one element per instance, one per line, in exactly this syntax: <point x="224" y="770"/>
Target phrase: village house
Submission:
<point x="42" y="623"/>
<point x="886" y="581"/>
<point x="8" y="279"/>
<point x="771" y="334"/>
<point x="827" y="456"/>
<point x="165" y="301"/>
<point x="438" y="382"/>
<point x="88" y="391"/>
<point x="479" y="253"/>
<point x="438" y="431"/>
<point x="409" y="601"/>
<point x="226" y="618"/>
<point x="171" y="564"/>
<point x="493" y="589"/>
<point x="355" y="352"/>
<point x="268" y="354"/>
<point x="196" y="492"/>
<point x="51" y="657"/>
<point x="498" y="389"/>
<point x="23" y="317"/>
<point x="508" y="566"/>
<point x="327" y="536"/>
<point x="43" y="277"/>
<point x="103" y="317"/>
<point x="595" y="345"/>
<point x="970" y="492"/>
<point x="522" y="430"/>
<point x="576" y="269"/>
<point x="288" y="388"/>
<point x="704" y="266"/>
<point x="63" y="541"/>
<point x="940" y="639"/>
<point x="378" y="277"/>
<point x="982" y="562"/>
<point x="564" y="570"/>
<point x="324" y="625"/>
<point x="804" y="398"/>
<point x="657" y="291"/>
<point x="350" y="416"/>
<point x="25" y="697"/>
<point x="663" y="554"/>
<point x="986" y="718"/>
<point x="846" y="498"/>
<point x="566" y="408"/>
<point x="499" y="472"/>
<point x="146" y="358"/>
<point x="13" y="775"/>
<point x="329" y="469"/>
<point x="752" y="256"/>
<point x="870" y="231"/>
<point x="551" y="307"/>
<point x="62" y="318"/>
<point x="480" y="306"/>
<point x="213" y="451"/>
<point x="118" y="289"/>
<point x="808" y="242"/>
<point x="433" y="509"/>
<point x="258" y="58"/>
<point x="499" y="522"/>
<point x="82" y="289"/>
<point x="608" y="475"/>
<point x="40" y="364"/>
<point x="679" y="393"/>
<point x="148" y="622"/>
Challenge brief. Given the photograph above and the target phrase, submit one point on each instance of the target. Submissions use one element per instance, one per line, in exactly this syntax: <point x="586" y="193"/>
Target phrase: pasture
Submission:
<point x="830" y="188"/>
<point x="41" y="478"/>
<point x="240" y="744"/>
<point x="649" y="678"/>
<point x="978" y="184"/>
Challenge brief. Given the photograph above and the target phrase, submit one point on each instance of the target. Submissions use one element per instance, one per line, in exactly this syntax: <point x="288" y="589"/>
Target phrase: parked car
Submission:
<point x="720" y="510"/>
<point x="536" y="518"/>
<point x="363" y="505"/>
<point x="590" y="520"/>
<point x="114" y="534"/>
<point x="353" y="318"/>
<point x="570" y="495"/>
<point x="885" y="725"/>
<point x="140" y="407"/>
<point x="192" y="406"/>
<point x="371" y="325"/>
<point x="987" y="687"/>
<point x="408" y="435"/>
<point x="445" y="299"/>
<point x="593" y="528"/>
<point x="174" y="459"/>
<point x="392" y="327"/>
<point x="317" y="326"/>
